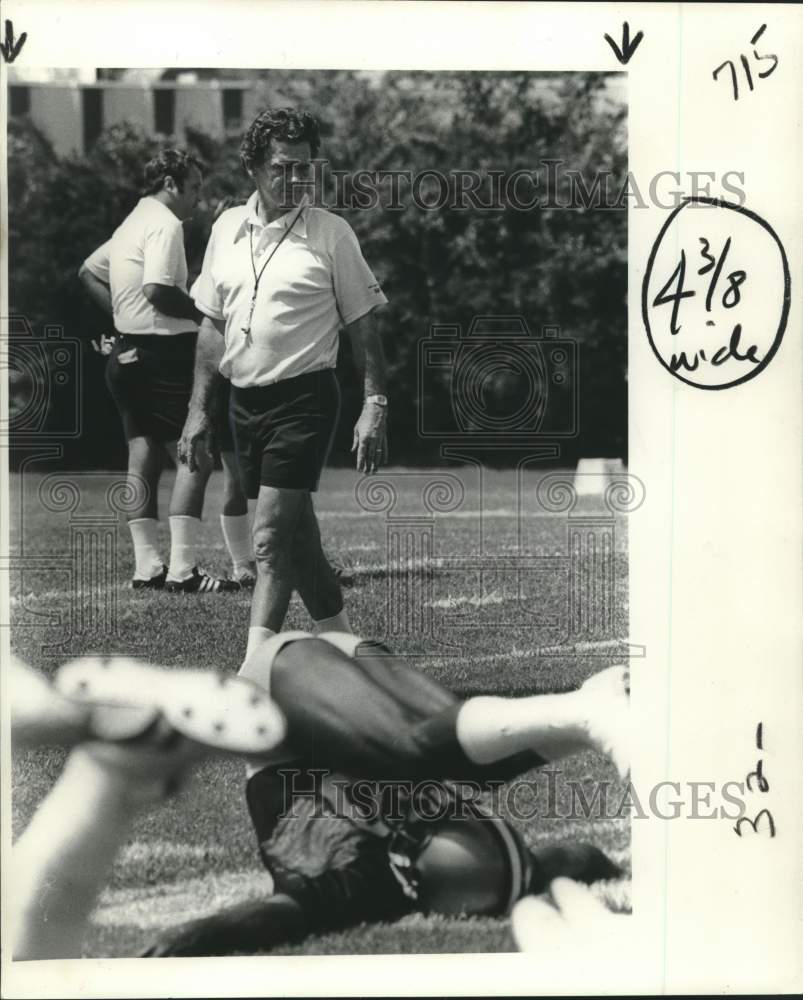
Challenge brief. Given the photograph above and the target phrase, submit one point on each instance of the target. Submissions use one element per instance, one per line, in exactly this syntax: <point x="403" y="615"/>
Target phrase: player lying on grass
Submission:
<point x="329" y="870"/>
<point x="361" y="720"/>
<point x="130" y="756"/>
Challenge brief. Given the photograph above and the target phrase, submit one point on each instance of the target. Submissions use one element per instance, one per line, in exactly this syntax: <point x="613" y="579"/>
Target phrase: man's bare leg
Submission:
<point x="235" y="523"/>
<point x="186" y="510"/>
<point x="145" y="463"/>
<point x="315" y="579"/>
<point x="62" y="860"/>
<point x="276" y="518"/>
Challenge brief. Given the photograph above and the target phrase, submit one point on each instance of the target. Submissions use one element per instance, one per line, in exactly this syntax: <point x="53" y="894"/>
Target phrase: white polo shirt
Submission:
<point x="316" y="282"/>
<point x="146" y="248"/>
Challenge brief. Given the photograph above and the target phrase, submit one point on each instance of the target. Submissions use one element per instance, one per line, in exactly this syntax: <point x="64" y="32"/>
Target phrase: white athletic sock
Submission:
<point x="237" y="536"/>
<point x="184" y="533"/>
<point x="148" y="562"/>
<point x="553" y="725"/>
<point x="337" y="623"/>
<point x="256" y="636"/>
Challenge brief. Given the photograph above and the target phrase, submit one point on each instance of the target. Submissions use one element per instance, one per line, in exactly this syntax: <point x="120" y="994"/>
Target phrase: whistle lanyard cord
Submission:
<point x="258" y="277"/>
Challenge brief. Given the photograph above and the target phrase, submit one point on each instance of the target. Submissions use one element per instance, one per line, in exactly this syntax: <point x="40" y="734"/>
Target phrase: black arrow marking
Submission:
<point x="9" y="47"/>
<point x="625" y="54"/>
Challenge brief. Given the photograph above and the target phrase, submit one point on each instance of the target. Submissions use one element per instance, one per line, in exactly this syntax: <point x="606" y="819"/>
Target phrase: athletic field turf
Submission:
<point x="482" y="600"/>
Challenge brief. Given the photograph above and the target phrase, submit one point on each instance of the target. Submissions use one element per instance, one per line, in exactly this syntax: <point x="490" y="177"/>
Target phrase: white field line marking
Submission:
<point x="504" y="513"/>
<point x="567" y="649"/>
<point x="474" y="602"/>
<point x="156" y="906"/>
<point x="140" y="851"/>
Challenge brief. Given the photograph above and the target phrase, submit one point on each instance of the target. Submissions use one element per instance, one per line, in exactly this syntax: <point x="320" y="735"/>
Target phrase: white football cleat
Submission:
<point x="40" y="715"/>
<point x="219" y="711"/>
<point x="607" y="711"/>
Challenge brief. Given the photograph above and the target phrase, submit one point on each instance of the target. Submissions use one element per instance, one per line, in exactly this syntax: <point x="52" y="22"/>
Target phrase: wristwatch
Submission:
<point x="379" y="399"/>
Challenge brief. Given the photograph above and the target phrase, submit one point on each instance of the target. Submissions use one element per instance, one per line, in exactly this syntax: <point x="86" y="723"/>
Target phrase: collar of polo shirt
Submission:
<point x="252" y="219"/>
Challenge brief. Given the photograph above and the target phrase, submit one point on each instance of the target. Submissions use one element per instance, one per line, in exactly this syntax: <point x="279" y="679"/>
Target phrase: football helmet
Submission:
<point x="471" y="864"/>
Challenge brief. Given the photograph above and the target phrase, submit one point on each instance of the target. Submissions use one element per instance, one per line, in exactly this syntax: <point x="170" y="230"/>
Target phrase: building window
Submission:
<point x="164" y="110"/>
<point x="19" y="102"/>
<point x="92" y="107"/>
<point x="232" y="109"/>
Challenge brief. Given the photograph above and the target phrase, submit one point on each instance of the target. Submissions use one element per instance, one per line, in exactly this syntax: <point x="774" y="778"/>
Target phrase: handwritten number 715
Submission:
<point x="746" y="65"/>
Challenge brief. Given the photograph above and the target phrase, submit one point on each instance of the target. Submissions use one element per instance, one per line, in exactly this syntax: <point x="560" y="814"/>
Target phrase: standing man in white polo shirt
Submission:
<point x="280" y="279"/>
<point x="140" y="277"/>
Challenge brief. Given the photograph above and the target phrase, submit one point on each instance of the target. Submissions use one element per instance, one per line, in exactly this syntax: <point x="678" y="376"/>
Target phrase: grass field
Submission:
<point x="474" y="595"/>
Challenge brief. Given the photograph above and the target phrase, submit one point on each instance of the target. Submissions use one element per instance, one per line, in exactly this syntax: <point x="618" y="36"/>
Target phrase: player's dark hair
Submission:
<point x="173" y="163"/>
<point x="284" y="124"/>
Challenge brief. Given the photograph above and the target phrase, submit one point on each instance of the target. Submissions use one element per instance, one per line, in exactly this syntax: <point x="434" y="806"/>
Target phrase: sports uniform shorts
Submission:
<point x="333" y="864"/>
<point x="150" y="379"/>
<point x="283" y="432"/>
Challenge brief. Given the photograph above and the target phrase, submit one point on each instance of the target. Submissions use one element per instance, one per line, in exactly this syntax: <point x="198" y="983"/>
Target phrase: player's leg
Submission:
<point x="129" y="372"/>
<point x="595" y="716"/>
<point x="276" y="516"/>
<point x="145" y="464"/>
<point x="508" y="735"/>
<point x="316" y="580"/>
<point x="373" y="716"/>
<point x="63" y="858"/>
<point x="235" y="523"/>
<point x="186" y="508"/>
<point x="161" y="722"/>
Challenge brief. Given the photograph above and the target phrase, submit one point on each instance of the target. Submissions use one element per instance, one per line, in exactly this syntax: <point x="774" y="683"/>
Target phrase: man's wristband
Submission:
<point x="378" y="398"/>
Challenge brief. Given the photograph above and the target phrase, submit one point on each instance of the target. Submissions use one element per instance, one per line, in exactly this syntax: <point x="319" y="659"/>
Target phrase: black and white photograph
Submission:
<point x="398" y="421"/>
<point x="371" y="533"/>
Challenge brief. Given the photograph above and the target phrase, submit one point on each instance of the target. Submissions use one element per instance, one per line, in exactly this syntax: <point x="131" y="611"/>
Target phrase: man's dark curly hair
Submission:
<point x="173" y="163"/>
<point x="284" y="124"/>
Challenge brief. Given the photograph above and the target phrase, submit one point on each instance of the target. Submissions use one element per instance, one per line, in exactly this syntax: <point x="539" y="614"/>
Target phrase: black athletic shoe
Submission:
<point x="154" y="583"/>
<point x="201" y="582"/>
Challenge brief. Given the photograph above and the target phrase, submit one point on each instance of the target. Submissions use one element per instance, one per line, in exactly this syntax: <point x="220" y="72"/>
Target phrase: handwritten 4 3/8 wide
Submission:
<point x="715" y="298"/>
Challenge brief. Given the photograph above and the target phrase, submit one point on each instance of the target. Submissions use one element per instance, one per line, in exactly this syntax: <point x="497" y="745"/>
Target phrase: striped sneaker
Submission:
<point x="200" y="582"/>
<point x="150" y="583"/>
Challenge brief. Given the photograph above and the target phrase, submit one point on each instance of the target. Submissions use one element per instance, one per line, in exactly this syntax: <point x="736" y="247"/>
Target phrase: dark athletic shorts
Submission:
<point x="283" y="432"/>
<point x="152" y="391"/>
<point x="333" y="864"/>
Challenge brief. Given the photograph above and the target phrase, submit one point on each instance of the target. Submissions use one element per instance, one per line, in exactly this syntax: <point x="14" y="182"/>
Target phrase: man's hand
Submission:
<point x="103" y="346"/>
<point x="197" y="432"/>
<point x="370" y="438"/>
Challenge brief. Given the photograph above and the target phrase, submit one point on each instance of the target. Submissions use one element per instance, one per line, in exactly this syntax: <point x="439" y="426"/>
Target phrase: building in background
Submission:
<point x="72" y="107"/>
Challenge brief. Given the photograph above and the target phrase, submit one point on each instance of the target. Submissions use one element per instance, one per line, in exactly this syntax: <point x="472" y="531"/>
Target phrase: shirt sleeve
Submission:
<point x="205" y="292"/>
<point x="163" y="255"/>
<point x="97" y="263"/>
<point x="356" y="289"/>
